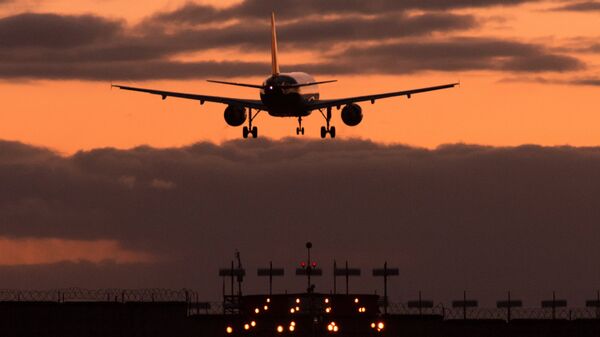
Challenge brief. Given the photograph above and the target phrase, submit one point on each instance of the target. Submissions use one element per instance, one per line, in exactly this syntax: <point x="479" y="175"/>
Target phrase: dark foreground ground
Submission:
<point x="173" y="319"/>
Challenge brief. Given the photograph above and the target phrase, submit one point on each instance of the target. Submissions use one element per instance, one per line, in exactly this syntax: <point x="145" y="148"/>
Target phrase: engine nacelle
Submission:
<point x="235" y="115"/>
<point x="352" y="114"/>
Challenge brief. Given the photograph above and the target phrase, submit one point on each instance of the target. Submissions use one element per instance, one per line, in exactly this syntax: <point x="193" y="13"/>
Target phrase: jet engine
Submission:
<point x="352" y="114"/>
<point x="235" y="115"/>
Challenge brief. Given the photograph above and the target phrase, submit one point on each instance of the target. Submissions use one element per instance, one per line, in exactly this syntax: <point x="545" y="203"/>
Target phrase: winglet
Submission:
<point x="274" y="63"/>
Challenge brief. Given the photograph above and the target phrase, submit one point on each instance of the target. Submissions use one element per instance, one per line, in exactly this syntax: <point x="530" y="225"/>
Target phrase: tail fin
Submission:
<point x="274" y="63"/>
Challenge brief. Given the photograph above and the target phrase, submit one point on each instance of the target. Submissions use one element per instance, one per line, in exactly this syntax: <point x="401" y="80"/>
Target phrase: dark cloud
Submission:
<point x="54" y="31"/>
<point x="585" y="6"/>
<point x="457" y="54"/>
<point x="481" y="218"/>
<point x="291" y="10"/>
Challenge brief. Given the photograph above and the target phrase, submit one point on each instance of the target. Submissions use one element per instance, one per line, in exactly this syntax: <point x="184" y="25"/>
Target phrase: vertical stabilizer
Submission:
<point x="274" y="63"/>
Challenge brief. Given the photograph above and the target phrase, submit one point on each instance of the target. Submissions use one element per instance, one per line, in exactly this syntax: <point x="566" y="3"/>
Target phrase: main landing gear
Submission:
<point x="250" y="130"/>
<point x="327" y="129"/>
<point x="300" y="129"/>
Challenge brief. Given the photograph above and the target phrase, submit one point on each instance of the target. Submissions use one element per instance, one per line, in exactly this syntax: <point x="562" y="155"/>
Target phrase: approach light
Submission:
<point x="268" y="300"/>
<point x="356" y="300"/>
<point x="328" y="310"/>
<point x="279" y="328"/>
<point x="246" y="326"/>
<point x="292" y="310"/>
<point x="326" y="300"/>
<point x="266" y="307"/>
<point x="373" y="325"/>
<point x="257" y="310"/>
<point x="253" y="323"/>
<point x="335" y="328"/>
<point x="297" y="308"/>
<point x="297" y="300"/>
<point x="229" y="330"/>
<point x="292" y="328"/>
<point x="292" y="323"/>
<point x="380" y="326"/>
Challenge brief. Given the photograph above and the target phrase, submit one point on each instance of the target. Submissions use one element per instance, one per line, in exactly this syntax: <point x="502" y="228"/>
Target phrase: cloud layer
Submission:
<point x="368" y="37"/>
<point x="481" y="218"/>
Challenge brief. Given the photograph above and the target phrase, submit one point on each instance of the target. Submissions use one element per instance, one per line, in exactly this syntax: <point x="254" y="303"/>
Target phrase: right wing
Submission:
<point x="248" y="103"/>
<point x="343" y="101"/>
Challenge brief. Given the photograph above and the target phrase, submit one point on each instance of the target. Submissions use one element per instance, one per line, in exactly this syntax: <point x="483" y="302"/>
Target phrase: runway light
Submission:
<point x="268" y="300"/>
<point x="373" y="325"/>
<point x="326" y="300"/>
<point x="229" y="330"/>
<point x="292" y="310"/>
<point x="253" y="324"/>
<point x="292" y="323"/>
<point x="356" y="300"/>
<point x="335" y="328"/>
<point x="246" y="326"/>
<point x="266" y="307"/>
<point x="297" y="300"/>
<point x="328" y="310"/>
<point x="297" y="308"/>
<point x="256" y="311"/>
<point x="380" y="326"/>
<point x="280" y="329"/>
<point x="292" y="328"/>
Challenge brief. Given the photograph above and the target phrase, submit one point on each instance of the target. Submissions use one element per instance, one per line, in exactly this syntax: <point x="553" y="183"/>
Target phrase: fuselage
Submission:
<point x="283" y="99"/>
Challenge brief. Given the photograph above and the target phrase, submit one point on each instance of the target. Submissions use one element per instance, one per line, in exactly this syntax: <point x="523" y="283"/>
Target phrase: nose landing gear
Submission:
<point x="300" y="129"/>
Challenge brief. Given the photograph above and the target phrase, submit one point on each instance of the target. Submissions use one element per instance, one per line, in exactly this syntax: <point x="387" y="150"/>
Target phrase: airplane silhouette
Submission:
<point x="293" y="94"/>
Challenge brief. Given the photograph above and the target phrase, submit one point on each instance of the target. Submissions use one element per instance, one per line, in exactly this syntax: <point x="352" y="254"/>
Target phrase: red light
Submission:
<point x="303" y="264"/>
<point x="314" y="264"/>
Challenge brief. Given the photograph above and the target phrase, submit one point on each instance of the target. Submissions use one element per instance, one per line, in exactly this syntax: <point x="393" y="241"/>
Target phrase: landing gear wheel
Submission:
<point x="297" y="131"/>
<point x="254" y="132"/>
<point x="302" y="131"/>
<point x="323" y="132"/>
<point x="332" y="132"/>
<point x="245" y="132"/>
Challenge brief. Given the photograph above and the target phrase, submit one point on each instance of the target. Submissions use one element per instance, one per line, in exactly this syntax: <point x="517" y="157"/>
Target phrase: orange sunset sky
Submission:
<point x="554" y="105"/>
<point x="84" y="204"/>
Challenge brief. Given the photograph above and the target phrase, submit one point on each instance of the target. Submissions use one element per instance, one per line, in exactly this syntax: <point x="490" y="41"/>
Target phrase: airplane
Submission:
<point x="294" y="94"/>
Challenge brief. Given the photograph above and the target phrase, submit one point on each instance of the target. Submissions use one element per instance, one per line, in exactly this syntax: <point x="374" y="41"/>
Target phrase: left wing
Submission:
<point x="248" y="103"/>
<point x="343" y="101"/>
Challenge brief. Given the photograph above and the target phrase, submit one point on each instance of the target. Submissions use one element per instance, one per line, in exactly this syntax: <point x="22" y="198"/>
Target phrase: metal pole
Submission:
<point x="598" y="304"/>
<point x="270" y="278"/>
<point x="465" y="305"/>
<point x="420" y="305"/>
<point x="509" y="307"/>
<point x="309" y="266"/>
<point x="553" y="305"/>
<point x="232" y="293"/>
<point x="347" y="291"/>
<point x="385" y="299"/>
<point x="334" y="277"/>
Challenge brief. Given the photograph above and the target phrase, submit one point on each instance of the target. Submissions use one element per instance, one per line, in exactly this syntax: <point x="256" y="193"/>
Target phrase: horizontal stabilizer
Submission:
<point x="306" y="84"/>
<point x="237" y="84"/>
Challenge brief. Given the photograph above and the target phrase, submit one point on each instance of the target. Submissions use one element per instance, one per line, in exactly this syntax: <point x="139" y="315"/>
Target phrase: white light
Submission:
<point x="268" y="300"/>
<point x="253" y="323"/>
<point x="297" y="300"/>
<point x="246" y="326"/>
<point x="335" y="328"/>
<point x="266" y="307"/>
<point x="373" y="325"/>
<point x="292" y="328"/>
<point x="326" y="300"/>
<point x="229" y="330"/>
<point x="292" y="323"/>
<point x="297" y="308"/>
<point x="280" y="329"/>
<point x="292" y="310"/>
<point x="380" y="325"/>
<point x="256" y="311"/>
<point x="356" y="300"/>
<point x="330" y="327"/>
